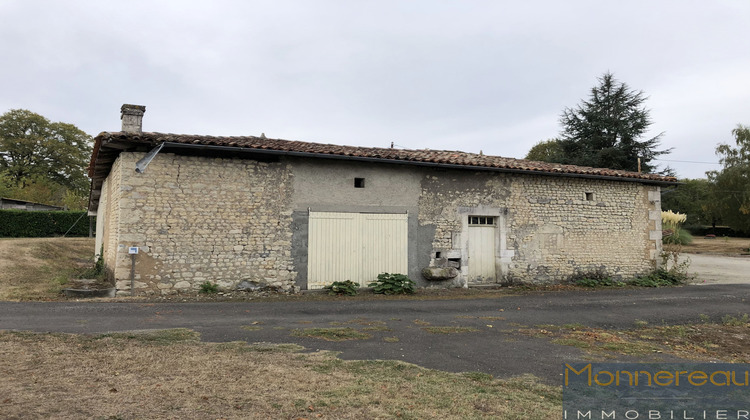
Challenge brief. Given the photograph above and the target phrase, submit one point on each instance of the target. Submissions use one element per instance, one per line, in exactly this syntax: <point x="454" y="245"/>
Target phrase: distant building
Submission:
<point x="13" y="204"/>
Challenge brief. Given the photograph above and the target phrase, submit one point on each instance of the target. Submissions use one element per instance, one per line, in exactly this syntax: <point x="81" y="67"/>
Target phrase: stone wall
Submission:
<point x="199" y="219"/>
<point x="567" y="226"/>
<point x="230" y="221"/>
<point x="108" y="218"/>
<point x="551" y="228"/>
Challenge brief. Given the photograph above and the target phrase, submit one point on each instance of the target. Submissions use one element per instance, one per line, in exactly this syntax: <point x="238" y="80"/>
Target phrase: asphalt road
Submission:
<point x="496" y="349"/>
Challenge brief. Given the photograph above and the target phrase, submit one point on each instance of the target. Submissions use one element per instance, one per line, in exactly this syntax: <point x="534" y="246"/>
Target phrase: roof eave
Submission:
<point x="99" y="170"/>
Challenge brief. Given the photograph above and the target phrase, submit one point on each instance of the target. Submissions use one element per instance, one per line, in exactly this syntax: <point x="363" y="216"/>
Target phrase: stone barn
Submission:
<point x="245" y="212"/>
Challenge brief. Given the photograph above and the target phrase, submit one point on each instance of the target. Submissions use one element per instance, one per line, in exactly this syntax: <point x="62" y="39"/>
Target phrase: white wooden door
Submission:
<point x="384" y="245"/>
<point x="481" y="249"/>
<point x="333" y="250"/>
<point x="355" y="246"/>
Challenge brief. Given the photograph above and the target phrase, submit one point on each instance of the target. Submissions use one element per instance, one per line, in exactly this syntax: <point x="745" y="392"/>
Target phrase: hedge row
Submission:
<point x="718" y="231"/>
<point x="40" y="224"/>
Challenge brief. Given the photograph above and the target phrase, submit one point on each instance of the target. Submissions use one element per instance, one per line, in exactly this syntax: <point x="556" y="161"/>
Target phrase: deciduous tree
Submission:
<point x="38" y="155"/>
<point x="546" y="151"/>
<point x="694" y="198"/>
<point x="732" y="183"/>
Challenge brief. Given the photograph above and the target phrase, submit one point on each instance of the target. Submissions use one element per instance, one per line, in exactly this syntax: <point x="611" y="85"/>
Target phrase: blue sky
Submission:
<point x="469" y="75"/>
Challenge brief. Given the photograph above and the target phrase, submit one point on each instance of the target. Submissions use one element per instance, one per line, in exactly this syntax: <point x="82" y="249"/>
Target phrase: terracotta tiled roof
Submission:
<point x="443" y="157"/>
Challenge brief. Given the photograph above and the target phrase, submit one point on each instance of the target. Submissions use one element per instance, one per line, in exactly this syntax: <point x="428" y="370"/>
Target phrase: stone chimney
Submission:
<point x="132" y="118"/>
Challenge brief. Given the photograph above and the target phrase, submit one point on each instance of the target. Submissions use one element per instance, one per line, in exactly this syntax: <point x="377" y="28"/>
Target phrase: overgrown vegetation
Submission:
<point x="660" y="277"/>
<point x="392" y="284"/>
<point x="673" y="276"/>
<point x="43" y="224"/>
<point x="597" y="278"/>
<point x="209" y="288"/>
<point x="98" y="271"/>
<point x="348" y="288"/>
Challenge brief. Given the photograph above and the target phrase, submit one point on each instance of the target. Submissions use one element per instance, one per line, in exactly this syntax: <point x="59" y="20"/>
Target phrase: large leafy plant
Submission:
<point x="347" y="287"/>
<point x="393" y="284"/>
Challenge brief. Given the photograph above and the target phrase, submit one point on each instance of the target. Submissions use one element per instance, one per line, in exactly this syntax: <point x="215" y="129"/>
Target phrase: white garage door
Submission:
<point x="355" y="246"/>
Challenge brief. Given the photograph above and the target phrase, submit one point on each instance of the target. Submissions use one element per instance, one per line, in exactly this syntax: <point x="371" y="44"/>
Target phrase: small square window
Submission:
<point x="359" y="182"/>
<point x="589" y="196"/>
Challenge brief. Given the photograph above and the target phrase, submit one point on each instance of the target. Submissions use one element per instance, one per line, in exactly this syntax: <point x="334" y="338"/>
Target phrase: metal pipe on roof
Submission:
<point x="142" y="164"/>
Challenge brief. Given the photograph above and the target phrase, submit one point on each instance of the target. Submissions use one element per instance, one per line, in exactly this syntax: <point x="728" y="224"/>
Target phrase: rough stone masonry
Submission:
<point x="234" y="211"/>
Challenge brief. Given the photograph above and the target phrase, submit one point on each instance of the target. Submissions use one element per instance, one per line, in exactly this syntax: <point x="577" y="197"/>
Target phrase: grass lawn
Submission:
<point x="38" y="268"/>
<point x="170" y="374"/>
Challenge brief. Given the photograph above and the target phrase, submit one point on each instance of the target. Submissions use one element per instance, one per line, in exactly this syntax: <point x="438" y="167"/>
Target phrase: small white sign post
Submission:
<point x="133" y="251"/>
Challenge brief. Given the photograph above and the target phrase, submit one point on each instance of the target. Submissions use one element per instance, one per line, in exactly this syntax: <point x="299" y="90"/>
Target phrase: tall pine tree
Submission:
<point x="606" y="130"/>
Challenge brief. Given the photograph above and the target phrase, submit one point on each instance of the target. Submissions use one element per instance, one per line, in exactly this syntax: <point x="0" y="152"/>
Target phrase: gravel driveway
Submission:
<point x="719" y="269"/>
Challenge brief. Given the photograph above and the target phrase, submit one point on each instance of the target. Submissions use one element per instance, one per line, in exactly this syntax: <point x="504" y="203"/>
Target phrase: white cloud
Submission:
<point x="475" y="75"/>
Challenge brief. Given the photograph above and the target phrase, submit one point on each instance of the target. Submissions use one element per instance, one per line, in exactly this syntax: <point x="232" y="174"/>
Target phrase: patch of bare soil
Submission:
<point x="719" y="246"/>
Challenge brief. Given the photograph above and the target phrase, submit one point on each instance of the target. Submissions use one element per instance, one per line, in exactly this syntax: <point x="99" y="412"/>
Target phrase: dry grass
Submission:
<point x="38" y="268"/>
<point x="719" y="246"/>
<point x="704" y="341"/>
<point x="170" y="375"/>
<point x="332" y="334"/>
<point x="449" y="330"/>
<point x="593" y="340"/>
